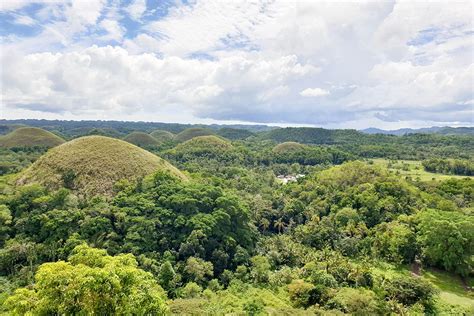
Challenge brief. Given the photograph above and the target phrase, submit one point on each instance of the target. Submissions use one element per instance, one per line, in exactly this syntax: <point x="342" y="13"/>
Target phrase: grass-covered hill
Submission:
<point x="288" y="147"/>
<point x="30" y="137"/>
<point x="141" y="139"/>
<point x="189" y="133"/>
<point x="205" y="143"/>
<point x="92" y="165"/>
<point x="162" y="136"/>
<point x="203" y="146"/>
<point x="203" y="150"/>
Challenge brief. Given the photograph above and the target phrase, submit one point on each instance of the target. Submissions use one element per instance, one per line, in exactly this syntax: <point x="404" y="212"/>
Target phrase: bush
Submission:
<point x="191" y="290"/>
<point x="409" y="290"/>
<point x="253" y="306"/>
<point x="301" y="293"/>
<point x="356" y="302"/>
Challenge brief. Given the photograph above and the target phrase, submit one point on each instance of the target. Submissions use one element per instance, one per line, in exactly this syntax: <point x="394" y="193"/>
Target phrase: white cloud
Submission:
<point x="12" y="5"/>
<point x="261" y="61"/>
<point x="205" y="25"/>
<point x="104" y="79"/>
<point x="409" y="18"/>
<point x="314" y="92"/>
<point x="63" y="23"/>
<point x="114" y="30"/>
<point x="85" y="11"/>
<point x="142" y="43"/>
<point x="24" y="20"/>
<point x="136" y="9"/>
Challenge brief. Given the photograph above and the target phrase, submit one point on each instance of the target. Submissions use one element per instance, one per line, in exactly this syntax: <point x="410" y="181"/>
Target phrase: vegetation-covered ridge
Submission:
<point x="25" y="137"/>
<point x="92" y="165"/>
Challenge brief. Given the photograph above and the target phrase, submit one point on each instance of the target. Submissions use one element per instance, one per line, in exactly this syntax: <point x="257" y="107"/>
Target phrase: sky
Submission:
<point x="351" y="64"/>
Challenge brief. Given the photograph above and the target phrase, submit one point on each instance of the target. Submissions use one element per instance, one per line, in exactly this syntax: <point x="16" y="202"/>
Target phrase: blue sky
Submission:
<point x="355" y="64"/>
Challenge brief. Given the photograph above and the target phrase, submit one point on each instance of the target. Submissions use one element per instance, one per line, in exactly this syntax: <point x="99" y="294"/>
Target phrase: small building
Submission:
<point x="289" y="178"/>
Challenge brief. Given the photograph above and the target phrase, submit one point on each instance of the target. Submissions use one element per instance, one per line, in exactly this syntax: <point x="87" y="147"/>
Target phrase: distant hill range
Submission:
<point x="305" y="135"/>
<point x="122" y="128"/>
<point x="445" y="130"/>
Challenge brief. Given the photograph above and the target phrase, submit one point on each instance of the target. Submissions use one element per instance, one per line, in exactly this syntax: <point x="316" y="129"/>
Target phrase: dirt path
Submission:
<point x="416" y="268"/>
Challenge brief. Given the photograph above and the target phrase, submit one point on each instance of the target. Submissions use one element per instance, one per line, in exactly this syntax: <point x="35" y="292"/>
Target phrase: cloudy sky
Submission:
<point x="351" y="64"/>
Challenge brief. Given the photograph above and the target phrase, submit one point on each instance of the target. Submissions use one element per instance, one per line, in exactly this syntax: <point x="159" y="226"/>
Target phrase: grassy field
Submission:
<point x="413" y="169"/>
<point x="451" y="289"/>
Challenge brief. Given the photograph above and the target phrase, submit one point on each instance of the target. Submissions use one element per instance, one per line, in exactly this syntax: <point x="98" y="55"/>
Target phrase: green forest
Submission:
<point x="122" y="218"/>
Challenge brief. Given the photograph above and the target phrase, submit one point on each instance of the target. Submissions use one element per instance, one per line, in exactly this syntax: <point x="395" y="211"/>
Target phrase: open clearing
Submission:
<point x="413" y="169"/>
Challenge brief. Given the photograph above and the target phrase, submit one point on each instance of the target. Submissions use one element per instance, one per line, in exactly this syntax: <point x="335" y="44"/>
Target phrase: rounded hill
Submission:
<point x="190" y="133"/>
<point x="210" y="143"/>
<point x="199" y="147"/>
<point x="162" y="136"/>
<point x="288" y="147"/>
<point x="91" y="165"/>
<point x="30" y="137"/>
<point x="141" y="139"/>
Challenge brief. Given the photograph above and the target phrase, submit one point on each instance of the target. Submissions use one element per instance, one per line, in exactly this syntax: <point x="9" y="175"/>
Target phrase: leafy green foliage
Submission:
<point x="409" y="290"/>
<point x="90" y="283"/>
<point x="447" y="240"/>
<point x="395" y="242"/>
<point x="356" y="302"/>
<point x="301" y="293"/>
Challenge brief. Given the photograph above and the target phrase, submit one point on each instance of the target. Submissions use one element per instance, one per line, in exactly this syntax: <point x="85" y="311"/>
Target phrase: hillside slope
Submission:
<point x="30" y="137"/>
<point x="92" y="165"/>
<point x="141" y="139"/>
<point x="189" y="133"/>
<point x="162" y="136"/>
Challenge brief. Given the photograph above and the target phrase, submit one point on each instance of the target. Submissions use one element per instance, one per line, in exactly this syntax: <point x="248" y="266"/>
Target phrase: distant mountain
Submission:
<point x="446" y="130"/>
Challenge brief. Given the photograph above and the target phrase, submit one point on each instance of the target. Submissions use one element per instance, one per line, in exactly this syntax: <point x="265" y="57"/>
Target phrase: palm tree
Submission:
<point x="279" y="224"/>
<point x="264" y="223"/>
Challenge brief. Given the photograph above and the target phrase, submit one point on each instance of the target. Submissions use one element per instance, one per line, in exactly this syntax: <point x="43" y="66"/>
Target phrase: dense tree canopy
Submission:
<point x="91" y="282"/>
<point x="347" y="236"/>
